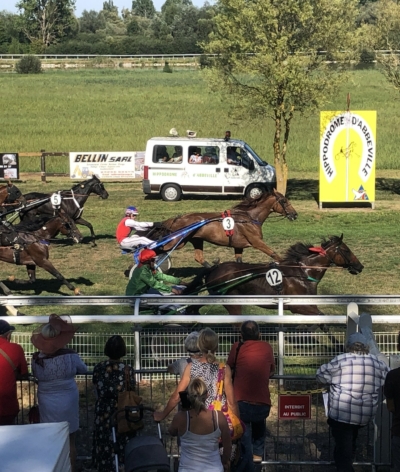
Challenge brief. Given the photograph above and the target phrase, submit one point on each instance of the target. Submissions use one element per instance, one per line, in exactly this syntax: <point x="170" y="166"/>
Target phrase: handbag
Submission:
<point x="236" y="426"/>
<point x="128" y="421"/>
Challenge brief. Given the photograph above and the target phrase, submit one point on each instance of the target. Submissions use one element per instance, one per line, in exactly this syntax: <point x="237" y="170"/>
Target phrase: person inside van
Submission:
<point x="176" y="156"/>
<point x="196" y="157"/>
<point x="233" y="156"/>
<point x="210" y="156"/>
<point x="161" y="153"/>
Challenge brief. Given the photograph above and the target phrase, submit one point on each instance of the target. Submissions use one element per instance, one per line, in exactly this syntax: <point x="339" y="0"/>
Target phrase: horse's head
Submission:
<point x="14" y="194"/>
<point x="68" y="228"/>
<point x="283" y="206"/>
<point x="340" y="255"/>
<point x="97" y="187"/>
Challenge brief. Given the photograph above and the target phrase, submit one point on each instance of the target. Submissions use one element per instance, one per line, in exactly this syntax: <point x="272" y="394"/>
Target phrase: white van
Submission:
<point x="174" y="166"/>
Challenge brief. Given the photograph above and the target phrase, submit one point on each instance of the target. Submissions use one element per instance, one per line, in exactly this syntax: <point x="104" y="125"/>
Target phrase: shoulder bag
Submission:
<point x="236" y="426"/>
<point x="127" y="421"/>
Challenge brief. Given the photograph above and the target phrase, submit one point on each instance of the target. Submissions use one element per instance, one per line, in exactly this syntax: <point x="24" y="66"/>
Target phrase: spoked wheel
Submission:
<point x="163" y="267"/>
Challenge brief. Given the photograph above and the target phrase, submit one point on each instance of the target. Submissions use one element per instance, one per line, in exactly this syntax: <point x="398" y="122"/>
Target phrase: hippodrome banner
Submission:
<point x="347" y="156"/>
<point x="106" y="165"/>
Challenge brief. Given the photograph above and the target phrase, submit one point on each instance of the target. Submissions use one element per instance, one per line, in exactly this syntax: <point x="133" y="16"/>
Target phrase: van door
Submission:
<point x="203" y="170"/>
<point x="237" y="169"/>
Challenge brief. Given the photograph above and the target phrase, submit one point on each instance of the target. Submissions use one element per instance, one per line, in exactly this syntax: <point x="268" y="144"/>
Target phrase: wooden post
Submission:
<point x="43" y="166"/>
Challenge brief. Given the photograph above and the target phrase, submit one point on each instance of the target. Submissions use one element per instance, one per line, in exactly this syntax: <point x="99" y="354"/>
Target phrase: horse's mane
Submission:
<point x="296" y="253"/>
<point x="33" y="225"/>
<point x="299" y="251"/>
<point x="249" y="203"/>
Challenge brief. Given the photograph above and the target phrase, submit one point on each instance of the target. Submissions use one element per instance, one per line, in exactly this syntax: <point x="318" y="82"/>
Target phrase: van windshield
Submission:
<point x="255" y="156"/>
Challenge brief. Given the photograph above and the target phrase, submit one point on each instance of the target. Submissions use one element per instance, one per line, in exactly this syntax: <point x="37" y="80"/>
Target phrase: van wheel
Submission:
<point x="171" y="193"/>
<point x="255" y="191"/>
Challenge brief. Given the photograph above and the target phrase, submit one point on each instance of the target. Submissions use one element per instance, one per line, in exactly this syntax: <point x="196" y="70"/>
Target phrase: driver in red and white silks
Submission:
<point x="131" y="233"/>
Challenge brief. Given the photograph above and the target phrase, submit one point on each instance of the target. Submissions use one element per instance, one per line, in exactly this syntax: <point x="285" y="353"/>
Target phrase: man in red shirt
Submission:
<point x="12" y="367"/>
<point x="252" y="363"/>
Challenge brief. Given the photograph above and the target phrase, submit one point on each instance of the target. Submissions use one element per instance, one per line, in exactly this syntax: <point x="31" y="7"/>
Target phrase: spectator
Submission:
<point x="161" y="153"/>
<point x="131" y="233"/>
<point x="109" y="381"/>
<point x="205" y="367"/>
<point x="55" y="368"/>
<point x="354" y="379"/>
<point x="233" y="156"/>
<point x="199" y="430"/>
<point x="392" y="394"/>
<point x="196" y="157"/>
<point x="252" y="363"/>
<point x="12" y="367"/>
<point x="176" y="156"/>
<point x="146" y="279"/>
<point x="179" y="366"/>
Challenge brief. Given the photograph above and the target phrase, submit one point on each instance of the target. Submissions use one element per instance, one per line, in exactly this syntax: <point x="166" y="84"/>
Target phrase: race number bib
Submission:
<point x="228" y="223"/>
<point x="274" y="277"/>
<point x="55" y="200"/>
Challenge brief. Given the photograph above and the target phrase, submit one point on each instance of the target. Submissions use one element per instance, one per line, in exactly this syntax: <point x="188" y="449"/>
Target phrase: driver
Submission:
<point x="146" y="279"/>
<point x="131" y="233"/>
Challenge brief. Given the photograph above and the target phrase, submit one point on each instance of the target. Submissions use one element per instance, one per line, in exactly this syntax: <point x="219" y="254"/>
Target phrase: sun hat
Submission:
<point x="5" y="327"/>
<point x="146" y="255"/>
<point x="357" y="338"/>
<point x="64" y="332"/>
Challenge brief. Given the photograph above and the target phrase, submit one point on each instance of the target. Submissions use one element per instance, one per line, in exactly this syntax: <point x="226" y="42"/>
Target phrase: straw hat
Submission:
<point x="53" y="335"/>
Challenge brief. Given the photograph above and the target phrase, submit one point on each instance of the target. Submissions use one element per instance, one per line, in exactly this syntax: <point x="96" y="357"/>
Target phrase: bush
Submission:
<point x="167" y="68"/>
<point x="29" y="65"/>
<point x="367" y="55"/>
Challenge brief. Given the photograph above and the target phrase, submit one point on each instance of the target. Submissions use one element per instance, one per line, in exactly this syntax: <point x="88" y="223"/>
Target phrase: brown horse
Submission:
<point x="248" y="217"/>
<point x="35" y="254"/>
<point x="10" y="195"/>
<point x="299" y="273"/>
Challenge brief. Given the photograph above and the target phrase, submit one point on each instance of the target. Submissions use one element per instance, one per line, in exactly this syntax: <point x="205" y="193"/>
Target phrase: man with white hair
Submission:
<point x="354" y="379"/>
<point x="12" y="367"/>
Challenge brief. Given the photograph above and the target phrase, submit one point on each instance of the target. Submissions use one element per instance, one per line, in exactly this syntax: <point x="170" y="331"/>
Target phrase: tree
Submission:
<point x="268" y="63"/>
<point x="144" y="8"/>
<point x="91" y="21"/>
<point x="46" y="21"/>
<point x="385" y="35"/>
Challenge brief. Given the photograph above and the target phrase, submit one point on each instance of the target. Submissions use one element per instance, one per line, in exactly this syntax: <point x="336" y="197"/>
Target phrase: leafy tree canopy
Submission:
<point x="268" y="63"/>
<point x="144" y="8"/>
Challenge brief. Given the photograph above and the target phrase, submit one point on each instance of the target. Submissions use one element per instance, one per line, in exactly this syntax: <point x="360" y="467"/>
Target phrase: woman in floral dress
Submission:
<point x="109" y="381"/>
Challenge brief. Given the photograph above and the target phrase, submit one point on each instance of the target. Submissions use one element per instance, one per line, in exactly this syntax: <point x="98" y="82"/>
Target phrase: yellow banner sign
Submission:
<point x="347" y="156"/>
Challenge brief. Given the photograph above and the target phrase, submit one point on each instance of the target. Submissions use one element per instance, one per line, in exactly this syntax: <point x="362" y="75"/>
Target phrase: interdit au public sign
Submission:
<point x="347" y="156"/>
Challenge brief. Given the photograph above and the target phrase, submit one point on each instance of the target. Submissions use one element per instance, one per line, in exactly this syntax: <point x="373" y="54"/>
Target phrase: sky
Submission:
<point x="96" y="5"/>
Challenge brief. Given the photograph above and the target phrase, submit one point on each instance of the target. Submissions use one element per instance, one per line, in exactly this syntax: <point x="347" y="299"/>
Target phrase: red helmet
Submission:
<point x="146" y="255"/>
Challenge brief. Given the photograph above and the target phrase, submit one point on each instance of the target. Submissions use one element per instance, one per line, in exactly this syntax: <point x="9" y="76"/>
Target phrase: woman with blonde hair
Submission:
<point x="199" y="430"/>
<point x="206" y="367"/>
<point x="55" y="368"/>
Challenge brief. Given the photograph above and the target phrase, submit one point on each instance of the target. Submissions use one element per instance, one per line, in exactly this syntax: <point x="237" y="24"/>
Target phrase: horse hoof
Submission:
<point x="77" y="291"/>
<point x="11" y="278"/>
<point x="206" y="265"/>
<point x="216" y="261"/>
<point x="239" y="260"/>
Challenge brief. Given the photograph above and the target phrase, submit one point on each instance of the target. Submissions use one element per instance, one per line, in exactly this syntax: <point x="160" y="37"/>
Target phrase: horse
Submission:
<point x="72" y="202"/>
<point x="299" y="273"/>
<point x="10" y="194"/>
<point x="248" y="217"/>
<point x="48" y="227"/>
<point x="34" y="254"/>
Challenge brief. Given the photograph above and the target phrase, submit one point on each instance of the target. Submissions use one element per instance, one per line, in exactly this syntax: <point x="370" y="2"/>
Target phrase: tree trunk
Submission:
<point x="281" y="176"/>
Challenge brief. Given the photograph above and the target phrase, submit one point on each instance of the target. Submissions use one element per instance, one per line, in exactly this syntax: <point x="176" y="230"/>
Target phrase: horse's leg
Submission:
<point x="261" y="246"/>
<point x="239" y="254"/>
<point x="81" y="221"/>
<point x="198" y="252"/>
<point x="31" y="269"/>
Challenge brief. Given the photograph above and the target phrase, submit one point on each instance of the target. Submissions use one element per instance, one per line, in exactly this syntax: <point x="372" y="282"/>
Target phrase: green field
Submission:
<point x="118" y="110"/>
<point x="106" y="110"/>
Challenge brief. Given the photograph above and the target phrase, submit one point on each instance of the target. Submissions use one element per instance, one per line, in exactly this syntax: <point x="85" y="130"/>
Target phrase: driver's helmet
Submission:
<point x="131" y="210"/>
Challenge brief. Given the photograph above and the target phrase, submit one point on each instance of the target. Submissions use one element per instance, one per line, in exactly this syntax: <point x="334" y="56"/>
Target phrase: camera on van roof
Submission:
<point x="227" y="135"/>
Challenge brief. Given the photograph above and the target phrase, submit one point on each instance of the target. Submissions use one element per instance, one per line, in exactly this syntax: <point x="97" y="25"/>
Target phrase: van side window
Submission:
<point x="211" y="155"/>
<point x="160" y="153"/>
<point x="233" y="156"/>
<point x="195" y="156"/>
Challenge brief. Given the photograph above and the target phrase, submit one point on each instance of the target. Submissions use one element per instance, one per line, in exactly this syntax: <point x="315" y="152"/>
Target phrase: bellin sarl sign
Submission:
<point x="347" y="157"/>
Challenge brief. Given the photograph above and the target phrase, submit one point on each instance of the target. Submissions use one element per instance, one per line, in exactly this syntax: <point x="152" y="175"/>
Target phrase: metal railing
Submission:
<point x="289" y="442"/>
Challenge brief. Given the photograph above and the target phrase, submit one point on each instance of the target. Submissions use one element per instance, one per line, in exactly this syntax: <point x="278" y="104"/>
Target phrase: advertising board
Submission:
<point x="106" y="165"/>
<point x="9" y="166"/>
